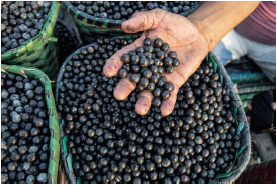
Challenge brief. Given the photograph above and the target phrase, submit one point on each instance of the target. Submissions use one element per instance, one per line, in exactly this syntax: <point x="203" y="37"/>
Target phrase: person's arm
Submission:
<point x="214" y="19"/>
<point x="192" y="38"/>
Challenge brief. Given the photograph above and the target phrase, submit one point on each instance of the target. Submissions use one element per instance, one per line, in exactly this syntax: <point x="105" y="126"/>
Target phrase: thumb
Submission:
<point x="141" y="21"/>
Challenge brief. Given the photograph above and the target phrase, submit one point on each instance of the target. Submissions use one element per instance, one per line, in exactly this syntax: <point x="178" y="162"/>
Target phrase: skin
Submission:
<point x="192" y="38"/>
<point x="273" y="106"/>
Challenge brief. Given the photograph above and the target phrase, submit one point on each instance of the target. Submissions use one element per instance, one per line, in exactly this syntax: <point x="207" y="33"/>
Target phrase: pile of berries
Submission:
<point x="122" y="10"/>
<point x="25" y="133"/>
<point x="20" y="21"/>
<point x="111" y="143"/>
<point x="147" y="64"/>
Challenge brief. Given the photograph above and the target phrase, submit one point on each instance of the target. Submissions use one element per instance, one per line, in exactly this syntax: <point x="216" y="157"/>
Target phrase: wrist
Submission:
<point x="214" y="19"/>
<point x="203" y="28"/>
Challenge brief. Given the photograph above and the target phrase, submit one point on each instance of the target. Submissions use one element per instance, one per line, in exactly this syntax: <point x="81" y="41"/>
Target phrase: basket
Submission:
<point x="91" y="27"/>
<point x="53" y="116"/>
<point x="264" y="173"/>
<point x="40" y="51"/>
<point x="242" y="156"/>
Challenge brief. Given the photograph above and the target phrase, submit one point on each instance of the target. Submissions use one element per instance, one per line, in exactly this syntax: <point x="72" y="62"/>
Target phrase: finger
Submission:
<point x="273" y="106"/>
<point x="124" y="88"/>
<point x="141" y="21"/>
<point x="175" y="78"/>
<point x="248" y="119"/>
<point x="168" y="105"/>
<point x="249" y="107"/>
<point x="114" y="63"/>
<point x="144" y="102"/>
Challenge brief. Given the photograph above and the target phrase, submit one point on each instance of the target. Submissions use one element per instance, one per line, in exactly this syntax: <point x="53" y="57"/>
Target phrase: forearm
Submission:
<point x="214" y="19"/>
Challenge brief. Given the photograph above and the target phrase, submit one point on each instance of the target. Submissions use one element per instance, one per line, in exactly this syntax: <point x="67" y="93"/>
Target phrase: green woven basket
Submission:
<point x="34" y="73"/>
<point x="91" y="27"/>
<point x="242" y="156"/>
<point x="40" y="51"/>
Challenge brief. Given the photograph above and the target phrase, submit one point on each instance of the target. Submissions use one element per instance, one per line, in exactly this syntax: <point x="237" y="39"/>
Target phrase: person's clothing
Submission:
<point x="260" y="25"/>
<point x="234" y="46"/>
<point x="262" y="115"/>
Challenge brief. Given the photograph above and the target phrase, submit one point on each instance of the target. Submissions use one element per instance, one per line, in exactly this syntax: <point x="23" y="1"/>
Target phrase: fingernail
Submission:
<point x="128" y="25"/>
<point x="110" y="67"/>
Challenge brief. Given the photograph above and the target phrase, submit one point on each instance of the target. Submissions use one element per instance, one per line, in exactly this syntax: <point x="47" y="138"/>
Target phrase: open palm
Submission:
<point x="182" y="37"/>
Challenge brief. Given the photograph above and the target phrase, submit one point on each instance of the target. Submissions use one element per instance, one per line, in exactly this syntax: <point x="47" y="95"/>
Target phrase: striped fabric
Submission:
<point x="264" y="173"/>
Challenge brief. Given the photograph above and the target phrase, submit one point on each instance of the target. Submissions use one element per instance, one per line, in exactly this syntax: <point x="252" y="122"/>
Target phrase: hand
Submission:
<point x="182" y="37"/>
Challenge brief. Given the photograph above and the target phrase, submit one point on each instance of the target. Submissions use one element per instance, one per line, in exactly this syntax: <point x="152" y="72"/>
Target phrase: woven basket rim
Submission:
<point x="246" y="130"/>
<point x="44" y="34"/>
<point x="112" y="23"/>
<point x="45" y="81"/>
